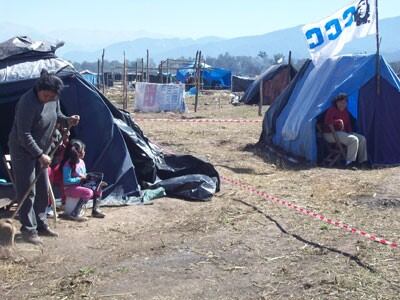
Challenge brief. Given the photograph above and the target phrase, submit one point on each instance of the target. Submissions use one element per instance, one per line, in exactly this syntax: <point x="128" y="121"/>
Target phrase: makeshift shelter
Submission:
<point x="275" y="79"/>
<point x="115" y="144"/>
<point x="89" y="76"/>
<point x="241" y="83"/>
<point x="212" y="78"/>
<point x="290" y="123"/>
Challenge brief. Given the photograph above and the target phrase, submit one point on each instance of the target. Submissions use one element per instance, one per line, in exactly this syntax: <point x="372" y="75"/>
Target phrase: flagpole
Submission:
<point x="378" y="69"/>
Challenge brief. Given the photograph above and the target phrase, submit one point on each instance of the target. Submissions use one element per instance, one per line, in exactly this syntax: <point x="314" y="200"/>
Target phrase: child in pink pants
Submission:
<point x="74" y="176"/>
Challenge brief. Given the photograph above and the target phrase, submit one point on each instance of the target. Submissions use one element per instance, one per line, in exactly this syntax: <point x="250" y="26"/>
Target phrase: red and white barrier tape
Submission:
<point x="315" y="215"/>
<point x="200" y="120"/>
<point x="311" y="213"/>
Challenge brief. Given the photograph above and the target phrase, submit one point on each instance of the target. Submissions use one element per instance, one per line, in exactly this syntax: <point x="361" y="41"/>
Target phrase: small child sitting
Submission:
<point x="75" y="179"/>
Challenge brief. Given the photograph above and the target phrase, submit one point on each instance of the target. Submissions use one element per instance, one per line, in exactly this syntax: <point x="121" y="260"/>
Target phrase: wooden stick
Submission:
<point x="290" y="66"/>
<point x="147" y="66"/>
<point x="98" y="74"/>
<point x="197" y="79"/>
<point x="142" y="76"/>
<point x="53" y="204"/>
<point x="168" y="78"/>
<point x="161" y="72"/>
<point x="136" y="70"/>
<point x="102" y="71"/>
<point x="260" y="103"/>
<point x="378" y="65"/>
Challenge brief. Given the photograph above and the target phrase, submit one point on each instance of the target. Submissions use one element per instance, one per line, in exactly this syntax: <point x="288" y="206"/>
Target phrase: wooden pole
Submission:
<point x="102" y="72"/>
<point x="126" y="84"/>
<point x="290" y="66"/>
<point x="141" y="76"/>
<point x="161" y="72"/>
<point x="98" y="74"/>
<point x="168" y="78"/>
<point x="196" y="67"/>
<point x="136" y="70"/>
<point x="147" y="67"/>
<point x="378" y="65"/>
<point x="260" y="103"/>
<point x="123" y="84"/>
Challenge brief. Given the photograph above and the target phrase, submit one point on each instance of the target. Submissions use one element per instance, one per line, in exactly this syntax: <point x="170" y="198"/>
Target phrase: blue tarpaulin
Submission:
<point x="290" y="123"/>
<point x="89" y="77"/>
<point x="212" y="77"/>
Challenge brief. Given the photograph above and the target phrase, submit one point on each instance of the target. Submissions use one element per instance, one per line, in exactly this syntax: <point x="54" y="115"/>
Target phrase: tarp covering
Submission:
<point x="290" y="123"/>
<point x="275" y="79"/>
<point x="23" y="47"/>
<point x="241" y="83"/>
<point x="213" y="78"/>
<point x="115" y="144"/>
<point x="89" y="76"/>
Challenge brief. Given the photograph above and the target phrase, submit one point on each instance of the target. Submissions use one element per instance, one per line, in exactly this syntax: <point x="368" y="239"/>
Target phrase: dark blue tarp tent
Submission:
<point x="290" y="123"/>
<point x="115" y="144"/>
<point x="213" y="78"/>
<point x="275" y="79"/>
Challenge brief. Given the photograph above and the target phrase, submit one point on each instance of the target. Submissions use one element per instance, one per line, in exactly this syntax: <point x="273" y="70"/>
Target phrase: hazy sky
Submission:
<point x="225" y="18"/>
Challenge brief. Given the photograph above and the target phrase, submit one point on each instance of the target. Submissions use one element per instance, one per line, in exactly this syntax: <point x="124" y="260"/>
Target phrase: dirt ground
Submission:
<point x="236" y="246"/>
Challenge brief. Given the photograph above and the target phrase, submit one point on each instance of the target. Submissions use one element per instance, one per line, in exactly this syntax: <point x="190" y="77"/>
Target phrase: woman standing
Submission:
<point x="36" y="116"/>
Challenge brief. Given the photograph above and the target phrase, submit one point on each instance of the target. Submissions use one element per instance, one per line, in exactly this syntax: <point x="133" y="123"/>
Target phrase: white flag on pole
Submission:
<point x="327" y="37"/>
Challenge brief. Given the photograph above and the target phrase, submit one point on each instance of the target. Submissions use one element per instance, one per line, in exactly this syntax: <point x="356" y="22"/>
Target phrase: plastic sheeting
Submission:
<point x="24" y="47"/>
<point x="215" y="78"/>
<point x="275" y="79"/>
<point x="240" y="83"/>
<point x="311" y="94"/>
<point x="31" y="69"/>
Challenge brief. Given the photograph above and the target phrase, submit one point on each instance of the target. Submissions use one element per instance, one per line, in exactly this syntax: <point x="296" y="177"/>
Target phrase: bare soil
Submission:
<point x="236" y="246"/>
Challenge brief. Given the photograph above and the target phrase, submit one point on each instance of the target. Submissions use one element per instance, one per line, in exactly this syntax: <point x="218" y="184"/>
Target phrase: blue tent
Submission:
<point x="89" y="76"/>
<point x="212" y="77"/>
<point x="116" y="146"/>
<point x="290" y="123"/>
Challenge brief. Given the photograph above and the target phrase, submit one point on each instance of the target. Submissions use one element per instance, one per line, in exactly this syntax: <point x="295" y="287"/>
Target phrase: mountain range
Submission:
<point x="86" y="45"/>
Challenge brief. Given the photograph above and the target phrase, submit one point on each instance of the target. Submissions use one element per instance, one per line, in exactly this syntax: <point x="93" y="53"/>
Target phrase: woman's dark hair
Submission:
<point x="362" y="20"/>
<point x="49" y="82"/>
<point x="341" y="96"/>
<point x="71" y="153"/>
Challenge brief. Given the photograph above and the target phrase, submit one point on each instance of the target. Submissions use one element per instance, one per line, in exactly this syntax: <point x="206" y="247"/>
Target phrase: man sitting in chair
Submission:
<point x="337" y="120"/>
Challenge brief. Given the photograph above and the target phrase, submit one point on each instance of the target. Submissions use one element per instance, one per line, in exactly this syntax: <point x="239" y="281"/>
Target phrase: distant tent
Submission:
<point x="213" y="78"/>
<point x="89" y="76"/>
<point x="116" y="145"/>
<point x="275" y="79"/>
<point x="241" y="83"/>
<point x="290" y="123"/>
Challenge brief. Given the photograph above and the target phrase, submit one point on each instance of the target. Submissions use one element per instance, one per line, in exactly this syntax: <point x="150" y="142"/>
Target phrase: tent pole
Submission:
<point x="290" y="66"/>
<point x="98" y="74"/>
<point x="102" y="72"/>
<point x="196" y="74"/>
<point x="260" y="103"/>
<point x="168" y="70"/>
<point x="147" y="66"/>
<point x="378" y="67"/>
<point x="136" y="70"/>
<point x="123" y="84"/>
<point x="142" y="76"/>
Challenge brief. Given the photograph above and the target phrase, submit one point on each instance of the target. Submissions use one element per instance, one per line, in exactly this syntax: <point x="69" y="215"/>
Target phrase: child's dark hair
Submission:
<point x="49" y="82"/>
<point x="71" y="153"/>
